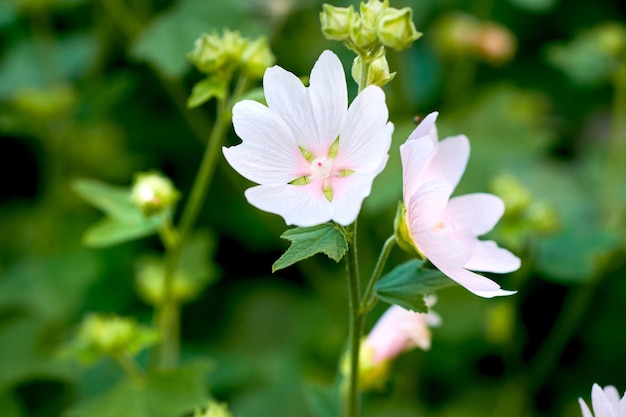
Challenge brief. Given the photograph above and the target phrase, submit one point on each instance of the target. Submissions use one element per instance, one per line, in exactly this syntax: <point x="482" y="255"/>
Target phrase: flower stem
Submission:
<point x="369" y="299"/>
<point x="352" y="398"/>
<point x="130" y="367"/>
<point x="365" y="70"/>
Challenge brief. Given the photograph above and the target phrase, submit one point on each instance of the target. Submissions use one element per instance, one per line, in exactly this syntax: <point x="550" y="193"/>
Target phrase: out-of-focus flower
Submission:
<point x="314" y="158"/>
<point x="605" y="402"/>
<point x="397" y="331"/>
<point x="446" y="230"/>
<point x="153" y="193"/>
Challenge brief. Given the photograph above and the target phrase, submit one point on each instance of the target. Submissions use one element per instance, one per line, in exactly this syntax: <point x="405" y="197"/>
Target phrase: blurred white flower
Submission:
<point x="605" y="402"/>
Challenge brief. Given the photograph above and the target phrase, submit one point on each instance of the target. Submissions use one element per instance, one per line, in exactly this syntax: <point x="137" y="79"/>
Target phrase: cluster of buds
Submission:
<point x="464" y="35"/>
<point x="377" y="26"/>
<point x="222" y="55"/>
<point x="100" y="336"/>
<point x="153" y="193"/>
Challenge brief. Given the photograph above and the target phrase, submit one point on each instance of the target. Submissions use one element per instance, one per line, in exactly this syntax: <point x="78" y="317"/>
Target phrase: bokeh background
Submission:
<point x="97" y="89"/>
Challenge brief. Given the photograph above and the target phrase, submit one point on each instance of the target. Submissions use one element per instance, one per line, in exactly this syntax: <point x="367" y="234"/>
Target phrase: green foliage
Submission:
<point x="323" y="400"/>
<point x="159" y="394"/>
<point x="407" y="284"/>
<point x="125" y="220"/>
<point x="327" y="238"/>
<point x="205" y="90"/>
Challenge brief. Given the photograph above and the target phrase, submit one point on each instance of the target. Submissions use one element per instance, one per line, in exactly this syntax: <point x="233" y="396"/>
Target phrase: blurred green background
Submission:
<point x="97" y="89"/>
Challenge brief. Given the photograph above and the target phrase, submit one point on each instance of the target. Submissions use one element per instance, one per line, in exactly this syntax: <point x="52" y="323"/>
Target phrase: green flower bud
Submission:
<point x="150" y="282"/>
<point x="373" y="11"/>
<point x="402" y="233"/>
<point x="208" y="55"/>
<point x="153" y="193"/>
<point x="396" y="29"/>
<point x="214" y="409"/>
<point x="378" y="73"/>
<point x="363" y="35"/>
<point x="337" y="22"/>
<point x="256" y="57"/>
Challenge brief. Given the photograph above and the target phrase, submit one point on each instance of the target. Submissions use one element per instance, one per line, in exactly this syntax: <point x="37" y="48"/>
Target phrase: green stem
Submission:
<point x="369" y="299"/>
<point x="365" y="69"/>
<point x="130" y="367"/>
<point x="352" y="399"/>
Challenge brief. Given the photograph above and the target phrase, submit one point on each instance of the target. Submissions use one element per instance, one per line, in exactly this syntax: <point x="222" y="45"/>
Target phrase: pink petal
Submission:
<point x="448" y="160"/>
<point x="288" y="98"/>
<point x="477" y="284"/>
<point x="414" y="155"/>
<point x="425" y="208"/>
<point x="366" y="136"/>
<point x="584" y="408"/>
<point x="349" y="193"/>
<point x="441" y="249"/>
<point x="488" y="257"/>
<point x="389" y="337"/>
<point x="475" y="214"/>
<point x="427" y="128"/>
<point x="329" y="99"/>
<point x="268" y="153"/>
<point x="300" y="205"/>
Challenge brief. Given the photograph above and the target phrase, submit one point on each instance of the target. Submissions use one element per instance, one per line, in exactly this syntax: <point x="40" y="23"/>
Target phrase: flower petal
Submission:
<point x="612" y="396"/>
<point x="349" y="193"/>
<point x="288" y="98"/>
<point x="300" y="205"/>
<point x="414" y="155"/>
<point x="584" y="408"/>
<point x="601" y="406"/>
<point x="442" y="250"/>
<point x="476" y="213"/>
<point x="366" y="136"/>
<point x="329" y="99"/>
<point x="479" y="285"/>
<point x="268" y="153"/>
<point x="488" y="257"/>
<point x="425" y="208"/>
<point x="427" y="127"/>
<point x="448" y="161"/>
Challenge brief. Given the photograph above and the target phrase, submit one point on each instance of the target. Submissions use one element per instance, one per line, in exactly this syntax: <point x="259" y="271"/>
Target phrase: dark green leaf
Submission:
<point x="323" y="401"/>
<point x="205" y="90"/>
<point x="162" y="394"/>
<point x="406" y="285"/>
<point x="325" y="238"/>
<point x="108" y="232"/>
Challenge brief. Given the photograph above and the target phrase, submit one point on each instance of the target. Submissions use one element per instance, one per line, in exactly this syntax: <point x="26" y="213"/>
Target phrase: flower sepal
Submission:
<point x="402" y="233"/>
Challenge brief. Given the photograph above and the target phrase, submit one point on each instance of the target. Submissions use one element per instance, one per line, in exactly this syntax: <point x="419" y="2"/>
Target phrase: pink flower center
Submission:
<point x="321" y="168"/>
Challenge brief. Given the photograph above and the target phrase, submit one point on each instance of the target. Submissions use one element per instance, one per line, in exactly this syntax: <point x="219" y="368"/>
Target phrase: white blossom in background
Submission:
<point x="313" y="157"/>
<point x="445" y="230"/>
<point x="605" y="402"/>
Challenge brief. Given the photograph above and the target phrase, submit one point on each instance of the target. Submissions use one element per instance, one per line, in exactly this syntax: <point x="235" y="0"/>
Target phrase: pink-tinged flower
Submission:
<point x="314" y="158"/>
<point x="446" y="230"/>
<point x="399" y="330"/>
<point x="605" y="402"/>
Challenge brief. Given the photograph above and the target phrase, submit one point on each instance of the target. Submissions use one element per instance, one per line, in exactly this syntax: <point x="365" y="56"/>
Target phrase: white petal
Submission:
<point x="348" y="195"/>
<point x="612" y="396"/>
<point x="488" y="257"/>
<point x="448" y="160"/>
<point x="414" y="155"/>
<point x="366" y="136"/>
<point x="425" y="208"/>
<point x="584" y="408"/>
<point x="475" y="214"/>
<point x="479" y="285"/>
<point x="300" y="205"/>
<point x="329" y="99"/>
<point x="268" y="153"/>
<point x="427" y="128"/>
<point x="601" y="406"/>
<point x="288" y="98"/>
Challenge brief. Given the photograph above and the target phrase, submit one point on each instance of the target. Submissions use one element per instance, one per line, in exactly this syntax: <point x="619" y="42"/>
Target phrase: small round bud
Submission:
<point x="396" y="29"/>
<point x="378" y="74"/>
<point x="363" y="35"/>
<point x="153" y="193"/>
<point x="214" y="409"/>
<point x="256" y="57"/>
<point x="337" y="21"/>
<point x="150" y="282"/>
<point x="208" y="54"/>
<point x="495" y="43"/>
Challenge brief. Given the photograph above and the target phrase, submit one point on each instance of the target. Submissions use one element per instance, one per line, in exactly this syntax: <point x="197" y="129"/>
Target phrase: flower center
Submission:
<point x="321" y="168"/>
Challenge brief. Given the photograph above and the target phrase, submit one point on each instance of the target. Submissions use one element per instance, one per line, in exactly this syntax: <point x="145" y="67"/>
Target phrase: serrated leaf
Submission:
<point x="205" y="90"/>
<point x="124" y="220"/>
<point x="406" y="285"/>
<point x="162" y="394"/>
<point x="325" y="238"/>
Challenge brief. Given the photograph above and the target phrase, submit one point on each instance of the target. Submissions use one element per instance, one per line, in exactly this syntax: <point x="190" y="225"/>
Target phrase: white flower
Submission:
<point x="446" y="230"/>
<point x="605" y="402"/>
<point x="314" y="158"/>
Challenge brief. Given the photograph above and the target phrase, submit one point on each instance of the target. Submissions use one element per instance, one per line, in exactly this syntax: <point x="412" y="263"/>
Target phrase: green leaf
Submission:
<point x="406" y="285"/>
<point x="162" y="394"/>
<point x="205" y="90"/>
<point x="124" y="220"/>
<point x="9" y="405"/>
<point x="325" y="238"/>
<point x="323" y="400"/>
